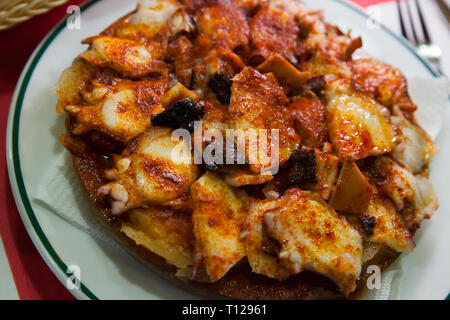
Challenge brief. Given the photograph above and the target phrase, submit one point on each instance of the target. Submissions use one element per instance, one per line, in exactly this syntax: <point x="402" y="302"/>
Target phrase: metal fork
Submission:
<point x="424" y="46"/>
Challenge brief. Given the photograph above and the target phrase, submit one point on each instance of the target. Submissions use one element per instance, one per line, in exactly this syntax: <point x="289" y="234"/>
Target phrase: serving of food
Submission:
<point x="343" y="187"/>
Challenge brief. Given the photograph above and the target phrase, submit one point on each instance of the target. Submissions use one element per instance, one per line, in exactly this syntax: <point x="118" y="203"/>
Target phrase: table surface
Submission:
<point x="23" y="273"/>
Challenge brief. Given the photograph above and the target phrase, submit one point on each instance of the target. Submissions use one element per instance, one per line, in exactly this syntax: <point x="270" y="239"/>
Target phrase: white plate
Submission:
<point x="107" y="272"/>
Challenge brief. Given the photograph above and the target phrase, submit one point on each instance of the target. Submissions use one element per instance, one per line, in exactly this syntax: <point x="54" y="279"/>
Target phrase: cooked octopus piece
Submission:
<point x="314" y="237"/>
<point x="324" y="39"/>
<point x="425" y="204"/>
<point x="218" y="217"/>
<point x="176" y="93"/>
<point x="159" y="169"/>
<point x="382" y="82"/>
<point x="328" y="68"/>
<point x="260" y="261"/>
<point x="316" y="84"/>
<point x="367" y="223"/>
<point x="416" y="149"/>
<point x="241" y="177"/>
<point x="122" y="111"/>
<point x="153" y="17"/>
<point x="218" y="61"/>
<point x="71" y="82"/>
<point x="395" y="181"/>
<point x="413" y="195"/>
<point x="128" y="57"/>
<point x="197" y="61"/>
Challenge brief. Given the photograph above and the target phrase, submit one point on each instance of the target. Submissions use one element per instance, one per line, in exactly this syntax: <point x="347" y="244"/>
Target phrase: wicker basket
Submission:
<point x="13" y="12"/>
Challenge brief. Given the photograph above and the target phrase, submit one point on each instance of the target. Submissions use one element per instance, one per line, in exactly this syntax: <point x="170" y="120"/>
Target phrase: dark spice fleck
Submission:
<point x="220" y="84"/>
<point x="212" y="166"/>
<point x="303" y="167"/>
<point x="210" y="161"/>
<point x="237" y="161"/>
<point x="181" y="114"/>
<point x="368" y="223"/>
<point x="316" y="85"/>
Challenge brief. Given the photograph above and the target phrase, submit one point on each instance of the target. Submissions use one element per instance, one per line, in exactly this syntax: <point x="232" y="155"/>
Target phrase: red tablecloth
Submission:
<point x="32" y="277"/>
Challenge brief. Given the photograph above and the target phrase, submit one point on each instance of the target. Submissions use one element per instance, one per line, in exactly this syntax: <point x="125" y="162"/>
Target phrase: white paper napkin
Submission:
<point x="62" y="194"/>
<point x="431" y="97"/>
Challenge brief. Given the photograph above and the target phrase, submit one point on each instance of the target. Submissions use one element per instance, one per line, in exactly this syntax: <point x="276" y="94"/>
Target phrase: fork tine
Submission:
<point x="411" y="21"/>
<point x="426" y="35"/>
<point x="402" y="20"/>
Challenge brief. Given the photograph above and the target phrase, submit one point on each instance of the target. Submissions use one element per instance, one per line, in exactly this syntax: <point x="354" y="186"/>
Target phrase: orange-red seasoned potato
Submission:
<point x="352" y="192"/>
<point x="388" y="226"/>
<point x="358" y="126"/>
<point x="163" y="231"/>
<point x="218" y="218"/>
<point x="287" y="75"/>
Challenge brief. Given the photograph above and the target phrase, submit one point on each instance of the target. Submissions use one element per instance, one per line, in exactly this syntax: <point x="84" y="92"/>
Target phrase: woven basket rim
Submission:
<point x="13" y="12"/>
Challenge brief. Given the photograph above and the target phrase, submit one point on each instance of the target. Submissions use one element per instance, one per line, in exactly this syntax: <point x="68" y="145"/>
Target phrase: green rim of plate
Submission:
<point x="15" y="150"/>
<point x="16" y="124"/>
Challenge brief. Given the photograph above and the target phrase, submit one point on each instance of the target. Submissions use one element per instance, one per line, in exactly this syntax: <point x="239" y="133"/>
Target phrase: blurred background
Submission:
<point x="24" y="23"/>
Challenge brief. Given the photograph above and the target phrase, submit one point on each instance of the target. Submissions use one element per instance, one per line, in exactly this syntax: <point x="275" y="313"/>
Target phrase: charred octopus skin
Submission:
<point x="343" y="178"/>
<point x="181" y="114"/>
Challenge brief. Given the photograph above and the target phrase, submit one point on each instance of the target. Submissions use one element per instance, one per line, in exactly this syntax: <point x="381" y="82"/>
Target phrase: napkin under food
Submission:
<point x="62" y="194"/>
